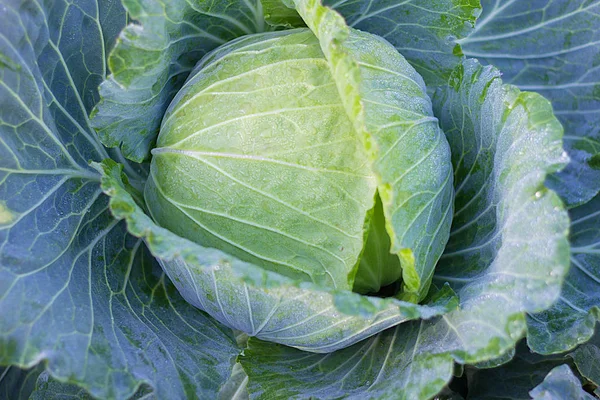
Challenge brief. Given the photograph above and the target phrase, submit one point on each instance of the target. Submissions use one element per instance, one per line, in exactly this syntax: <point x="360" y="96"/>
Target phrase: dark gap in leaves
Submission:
<point x="387" y="291"/>
<point x="460" y="386"/>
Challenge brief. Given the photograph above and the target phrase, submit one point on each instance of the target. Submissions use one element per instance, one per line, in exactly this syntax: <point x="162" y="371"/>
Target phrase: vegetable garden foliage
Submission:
<point x="285" y="199"/>
<point x="551" y="47"/>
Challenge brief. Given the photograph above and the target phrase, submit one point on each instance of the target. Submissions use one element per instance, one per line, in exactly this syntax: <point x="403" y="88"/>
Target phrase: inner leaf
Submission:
<point x="258" y="158"/>
<point x="378" y="266"/>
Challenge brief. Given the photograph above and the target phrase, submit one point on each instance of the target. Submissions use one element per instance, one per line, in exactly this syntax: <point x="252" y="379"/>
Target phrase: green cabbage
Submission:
<point x="299" y="199"/>
<point x="258" y="157"/>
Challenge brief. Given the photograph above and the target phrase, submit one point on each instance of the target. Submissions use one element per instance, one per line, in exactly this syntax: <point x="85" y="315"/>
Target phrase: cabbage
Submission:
<point x="290" y="199"/>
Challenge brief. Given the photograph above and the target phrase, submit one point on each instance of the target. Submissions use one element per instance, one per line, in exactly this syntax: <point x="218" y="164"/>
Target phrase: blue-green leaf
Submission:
<point x="520" y="377"/>
<point x="77" y="291"/>
<point x="587" y="361"/>
<point x="396" y="364"/>
<point x="551" y="47"/>
<point x="515" y="379"/>
<point x="508" y="229"/>
<point x="48" y="388"/>
<point x="571" y="320"/>
<point x="37" y="384"/>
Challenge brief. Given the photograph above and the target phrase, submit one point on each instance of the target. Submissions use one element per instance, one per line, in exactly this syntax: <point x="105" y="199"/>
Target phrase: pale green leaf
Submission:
<point x="236" y="386"/>
<point x="378" y="266"/>
<point x="280" y="180"/>
<point x="387" y="102"/>
<point x="319" y="175"/>
<point x="278" y="14"/>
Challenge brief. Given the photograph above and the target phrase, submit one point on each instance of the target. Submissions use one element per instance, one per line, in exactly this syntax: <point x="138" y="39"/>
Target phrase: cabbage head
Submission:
<point x="298" y="199"/>
<point x="335" y="176"/>
<point x="261" y="155"/>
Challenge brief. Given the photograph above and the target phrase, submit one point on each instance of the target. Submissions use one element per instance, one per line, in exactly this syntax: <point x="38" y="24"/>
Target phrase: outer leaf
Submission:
<point x="587" y="360"/>
<point x="262" y="303"/>
<point x="18" y="384"/>
<point x="552" y="47"/>
<point x="152" y="59"/>
<point x="513" y="380"/>
<point x="47" y="388"/>
<point x="36" y="383"/>
<point x="516" y="379"/>
<point x="571" y="320"/>
<point x="508" y="230"/>
<point x="527" y="370"/>
<point x="425" y="32"/>
<point x="415" y="359"/>
<point x="560" y="384"/>
<point x="236" y="386"/>
<point x="551" y="374"/>
<point x="495" y="362"/>
<point x="391" y="365"/>
<point x="76" y="290"/>
<point x="408" y="151"/>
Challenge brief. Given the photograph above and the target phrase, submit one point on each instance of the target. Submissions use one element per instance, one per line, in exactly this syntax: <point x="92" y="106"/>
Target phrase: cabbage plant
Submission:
<point x="299" y="199"/>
